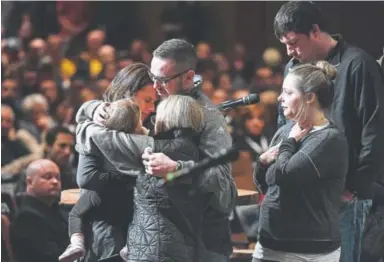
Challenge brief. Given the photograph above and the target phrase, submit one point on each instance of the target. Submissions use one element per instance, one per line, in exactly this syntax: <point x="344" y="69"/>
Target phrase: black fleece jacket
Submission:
<point x="358" y="111"/>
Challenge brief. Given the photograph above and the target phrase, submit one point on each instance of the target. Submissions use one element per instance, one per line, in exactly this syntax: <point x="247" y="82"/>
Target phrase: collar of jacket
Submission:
<point x="334" y="56"/>
<point x="194" y="92"/>
<point x="176" y="133"/>
<point x="27" y="199"/>
<point x="336" y="53"/>
<point x="381" y="61"/>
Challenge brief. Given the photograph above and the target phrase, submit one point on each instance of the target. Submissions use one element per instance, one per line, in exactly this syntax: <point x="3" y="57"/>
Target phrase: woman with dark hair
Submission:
<point x="105" y="239"/>
<point x="302" y="174"/>
<point x="124" y="116"/>
<point x="133" y="81"/>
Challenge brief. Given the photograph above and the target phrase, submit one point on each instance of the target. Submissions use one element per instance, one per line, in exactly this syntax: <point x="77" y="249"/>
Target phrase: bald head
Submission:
<point x="43" y="166"/>
<point x="107" y="53"/>
<point x="38" y="44"/>
<point x="43" y="180"/>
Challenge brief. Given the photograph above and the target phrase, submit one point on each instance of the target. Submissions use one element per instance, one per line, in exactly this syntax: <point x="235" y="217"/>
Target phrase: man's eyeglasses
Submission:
<point x="164" y="80"/>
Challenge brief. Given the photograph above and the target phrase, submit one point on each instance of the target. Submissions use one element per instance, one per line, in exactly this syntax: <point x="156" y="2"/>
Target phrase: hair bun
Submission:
<point x="328" y="69"/>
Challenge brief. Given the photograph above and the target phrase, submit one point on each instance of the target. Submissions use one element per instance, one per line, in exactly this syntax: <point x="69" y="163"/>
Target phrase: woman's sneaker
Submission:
<point x="72" y="253"/>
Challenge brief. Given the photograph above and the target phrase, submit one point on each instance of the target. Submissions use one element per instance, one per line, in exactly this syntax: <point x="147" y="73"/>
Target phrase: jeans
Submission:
<point x="353" y="214"/>
<point x="373" y="239"/>
<point x="330" y="257"/>
<point x="263" y="254"/>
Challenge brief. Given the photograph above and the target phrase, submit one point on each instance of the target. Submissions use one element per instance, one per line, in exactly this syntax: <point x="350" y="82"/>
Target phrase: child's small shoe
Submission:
<point x="124" y="253"/>
<point x="72" y="253"/>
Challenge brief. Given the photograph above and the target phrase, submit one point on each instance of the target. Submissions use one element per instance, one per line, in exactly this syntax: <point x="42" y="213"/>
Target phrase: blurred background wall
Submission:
<point x="221" y="23"/>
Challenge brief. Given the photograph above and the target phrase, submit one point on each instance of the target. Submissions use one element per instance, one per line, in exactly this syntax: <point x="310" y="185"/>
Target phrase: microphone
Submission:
<point x="223" y="157"/>
<point x="197" y="80"/>
<point x="244" y="101"/>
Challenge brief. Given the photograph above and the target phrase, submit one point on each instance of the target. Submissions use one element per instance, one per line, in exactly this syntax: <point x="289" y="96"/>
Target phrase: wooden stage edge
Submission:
<point x="71" y="196"/>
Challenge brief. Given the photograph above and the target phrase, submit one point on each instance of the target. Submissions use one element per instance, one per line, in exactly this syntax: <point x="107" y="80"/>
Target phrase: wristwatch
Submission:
<point x="179" y="166"/>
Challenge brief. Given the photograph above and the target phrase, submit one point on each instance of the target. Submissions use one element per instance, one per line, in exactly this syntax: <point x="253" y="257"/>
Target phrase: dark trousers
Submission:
<point x="87" y="201"/>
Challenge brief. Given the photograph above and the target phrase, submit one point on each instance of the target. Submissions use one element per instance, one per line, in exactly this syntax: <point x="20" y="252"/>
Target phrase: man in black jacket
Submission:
<point x="39" y="230"/>
<point x="373" y="240"/>
<point x="357" y="108"/>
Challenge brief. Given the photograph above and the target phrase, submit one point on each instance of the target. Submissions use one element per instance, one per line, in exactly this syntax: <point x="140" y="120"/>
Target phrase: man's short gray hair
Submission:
<point x="33" y="99"/>
<point x="180" y="51"/>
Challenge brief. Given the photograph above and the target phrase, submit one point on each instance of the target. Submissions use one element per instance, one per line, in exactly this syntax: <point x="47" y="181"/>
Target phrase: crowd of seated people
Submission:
<point x="43" y="84"/>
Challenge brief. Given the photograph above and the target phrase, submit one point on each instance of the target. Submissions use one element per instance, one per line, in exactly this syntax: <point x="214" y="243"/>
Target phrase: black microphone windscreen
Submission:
<point x="252" y="99"/>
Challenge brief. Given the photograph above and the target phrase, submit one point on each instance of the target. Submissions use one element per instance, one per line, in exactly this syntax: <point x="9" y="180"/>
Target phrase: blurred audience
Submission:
<point x="46" y="78"/>
<point x="15" y="155"/>
<point x="36" y="120"/>
<point x="58" y="147"/>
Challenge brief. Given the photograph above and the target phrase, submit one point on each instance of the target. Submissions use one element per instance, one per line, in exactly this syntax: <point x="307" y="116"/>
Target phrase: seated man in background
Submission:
<point x="14" y="153"/>
<point x="39" y="230"/>
<point x="58" y="147"/>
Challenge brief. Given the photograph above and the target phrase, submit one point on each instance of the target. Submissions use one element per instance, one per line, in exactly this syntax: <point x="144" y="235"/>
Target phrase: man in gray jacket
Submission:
<point x="173" y="72"/>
